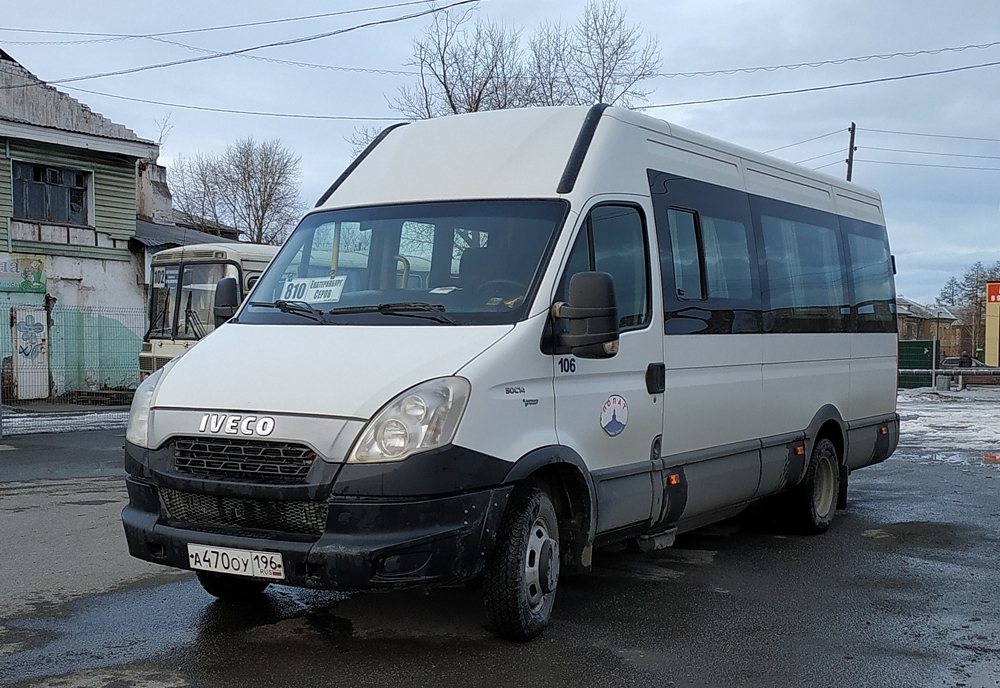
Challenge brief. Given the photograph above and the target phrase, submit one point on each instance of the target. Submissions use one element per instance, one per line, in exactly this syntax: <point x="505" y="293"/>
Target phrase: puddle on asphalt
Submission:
<point x="133" y="625"/>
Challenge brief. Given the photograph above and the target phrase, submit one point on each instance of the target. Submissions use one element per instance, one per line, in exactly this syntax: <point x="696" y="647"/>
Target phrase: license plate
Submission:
<point x="238" y="562"/>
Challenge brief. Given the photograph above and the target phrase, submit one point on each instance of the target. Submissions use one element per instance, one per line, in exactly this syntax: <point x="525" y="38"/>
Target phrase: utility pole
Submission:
<point x="850" y="152"/>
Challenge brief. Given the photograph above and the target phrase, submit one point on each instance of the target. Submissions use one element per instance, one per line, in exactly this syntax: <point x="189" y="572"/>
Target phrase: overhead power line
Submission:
<point x="799" y="143"/>
<point x="291" y="41"/>
<point x="933" y="136"/>
<point x="927" y="164"/>
<point x="817" y="157"/>
<point x="918" y="152"/>
<point x="129" y="36"/>
<point x="231" y="111"/>
<point x="813" y="89"/>
<point x="828" y="164"/>
<point x="823" y="63"/>
<point x="293" y="63"/>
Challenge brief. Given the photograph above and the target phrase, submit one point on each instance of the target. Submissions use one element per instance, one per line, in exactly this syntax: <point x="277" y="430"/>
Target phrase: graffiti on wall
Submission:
<point x="30" y="333"/>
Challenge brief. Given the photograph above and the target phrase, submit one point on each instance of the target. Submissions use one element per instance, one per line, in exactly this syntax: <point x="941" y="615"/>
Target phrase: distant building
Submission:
<point x="73" y="256"/>
<point x="918" y="321"/>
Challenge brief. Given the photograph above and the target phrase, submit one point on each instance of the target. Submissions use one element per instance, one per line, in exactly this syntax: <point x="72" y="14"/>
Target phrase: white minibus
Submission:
<point x="559" y="329"/>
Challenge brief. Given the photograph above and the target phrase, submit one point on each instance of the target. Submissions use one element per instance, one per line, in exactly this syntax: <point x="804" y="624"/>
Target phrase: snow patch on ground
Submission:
<point x="950" y="427"/>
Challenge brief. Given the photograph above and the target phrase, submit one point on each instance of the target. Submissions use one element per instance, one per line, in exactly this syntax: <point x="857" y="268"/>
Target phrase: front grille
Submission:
<point x="146" y="364"/>
<point x="161" y="361"/>
<point x="259" y="514"/>
<point x="239" y="459"/>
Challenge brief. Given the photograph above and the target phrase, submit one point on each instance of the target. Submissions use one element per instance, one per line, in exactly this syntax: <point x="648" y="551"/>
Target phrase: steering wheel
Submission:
<point x="496" y="285"/>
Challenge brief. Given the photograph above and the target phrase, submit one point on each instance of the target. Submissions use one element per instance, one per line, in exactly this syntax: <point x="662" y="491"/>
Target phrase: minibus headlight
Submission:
<point x="138" y="414"/>
<point x="421" y="418"/>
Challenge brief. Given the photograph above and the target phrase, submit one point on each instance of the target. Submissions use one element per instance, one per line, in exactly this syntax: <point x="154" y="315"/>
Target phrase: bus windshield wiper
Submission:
<point x="295" y="307"/>
<point x="413" y="309"/>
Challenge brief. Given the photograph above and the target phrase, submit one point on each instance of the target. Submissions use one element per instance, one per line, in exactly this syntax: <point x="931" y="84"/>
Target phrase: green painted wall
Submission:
<point x="6" y="207"/>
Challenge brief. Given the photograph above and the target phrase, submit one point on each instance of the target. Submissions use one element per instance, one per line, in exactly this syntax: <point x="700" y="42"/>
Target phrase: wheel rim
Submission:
<point x="541" y="564"/>
<point x="824" y="486"/>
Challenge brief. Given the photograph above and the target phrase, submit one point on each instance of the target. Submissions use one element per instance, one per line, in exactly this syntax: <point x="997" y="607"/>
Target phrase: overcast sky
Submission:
<point x="940" y="219"/>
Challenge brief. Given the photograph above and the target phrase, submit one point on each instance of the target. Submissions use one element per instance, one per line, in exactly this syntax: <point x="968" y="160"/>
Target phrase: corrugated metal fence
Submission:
<point x="61" y="356"/>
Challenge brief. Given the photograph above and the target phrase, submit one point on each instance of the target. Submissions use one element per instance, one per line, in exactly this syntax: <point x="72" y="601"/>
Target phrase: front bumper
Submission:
<point x="330" y="536"/>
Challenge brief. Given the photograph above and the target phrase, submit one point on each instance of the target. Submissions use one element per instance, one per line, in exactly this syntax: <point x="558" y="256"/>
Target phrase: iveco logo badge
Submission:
<point x="614" y="415"/>
<point x="236" y="425"/>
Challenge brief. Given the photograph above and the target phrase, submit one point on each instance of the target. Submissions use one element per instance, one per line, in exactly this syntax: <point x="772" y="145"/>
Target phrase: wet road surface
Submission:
<point x="903" y="591"/>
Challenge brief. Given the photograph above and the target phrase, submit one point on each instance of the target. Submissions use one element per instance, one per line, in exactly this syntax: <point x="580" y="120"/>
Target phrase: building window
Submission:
<point x="50" y="194"/>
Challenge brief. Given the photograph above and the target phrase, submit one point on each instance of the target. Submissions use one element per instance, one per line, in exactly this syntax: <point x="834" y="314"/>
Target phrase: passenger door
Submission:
<point x="713" y="405"/>
<point x="603" y="409"/>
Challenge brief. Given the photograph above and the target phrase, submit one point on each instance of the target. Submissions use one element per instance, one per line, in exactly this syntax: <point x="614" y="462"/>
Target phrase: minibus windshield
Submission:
<point x="193" y="286"/>
<point x="444" y="263"/>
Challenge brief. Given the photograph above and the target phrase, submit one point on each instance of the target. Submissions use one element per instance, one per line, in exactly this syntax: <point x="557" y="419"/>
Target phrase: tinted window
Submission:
<point x="686" y="256"/>
<point x="870" y="274"/>
<point x="803" y="271"/>
<point x="727" y="259"/>
<point x="612" y="240"/>
<point x="708" y="256"/>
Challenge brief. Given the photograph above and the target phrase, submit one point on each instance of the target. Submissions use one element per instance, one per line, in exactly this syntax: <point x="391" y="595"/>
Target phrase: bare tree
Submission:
<point x="195" y="192"/>
<point x="468" y="67"/>
<point x="258" y="186"/>
<point x="463" y="70"/>
<point x="549" y="55"/>
<point x="252" y="187"/>
<point x="609" y="58"/>
<point x="361" y="137"/>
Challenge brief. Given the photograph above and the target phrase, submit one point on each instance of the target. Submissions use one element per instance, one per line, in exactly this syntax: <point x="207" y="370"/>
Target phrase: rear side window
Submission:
<point x="870" y="274"/>
<point x="613" y="240"/>
<point x="803" y="269"/>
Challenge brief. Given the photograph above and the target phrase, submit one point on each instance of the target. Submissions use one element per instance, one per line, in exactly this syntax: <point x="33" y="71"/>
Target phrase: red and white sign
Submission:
<point x="993" y="292"/>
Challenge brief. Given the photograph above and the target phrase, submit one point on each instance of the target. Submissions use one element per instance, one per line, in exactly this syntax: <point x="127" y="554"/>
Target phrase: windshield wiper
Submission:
<point x="294" y="307"/>
<point x="412" y="309"/>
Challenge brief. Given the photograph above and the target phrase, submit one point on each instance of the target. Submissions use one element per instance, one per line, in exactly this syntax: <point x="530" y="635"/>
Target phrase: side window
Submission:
<point x="686" y="256"/>
<point x="870" y="276"/>
<point x="727" y="259"/>
<point x="612" y="240"/>
<point x="805" y="286"/>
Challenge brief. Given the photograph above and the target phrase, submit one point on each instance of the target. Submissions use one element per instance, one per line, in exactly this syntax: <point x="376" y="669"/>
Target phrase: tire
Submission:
<point x="519" y="582"/>
<point x="815" y="499"/>
<point x="232" y="588"/>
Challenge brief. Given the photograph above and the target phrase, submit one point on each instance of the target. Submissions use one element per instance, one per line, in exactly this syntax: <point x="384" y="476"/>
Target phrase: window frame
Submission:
<point x="88" y="192"/>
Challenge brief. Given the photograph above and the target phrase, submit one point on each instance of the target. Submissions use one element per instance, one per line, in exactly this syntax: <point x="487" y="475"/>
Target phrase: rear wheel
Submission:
<point x="815" y="499"/>
<point x="519" y="583"/>
<point x="231" y="588"/>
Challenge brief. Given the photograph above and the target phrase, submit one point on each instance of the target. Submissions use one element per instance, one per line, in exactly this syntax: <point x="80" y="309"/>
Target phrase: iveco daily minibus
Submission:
<point x="503" y="339"/>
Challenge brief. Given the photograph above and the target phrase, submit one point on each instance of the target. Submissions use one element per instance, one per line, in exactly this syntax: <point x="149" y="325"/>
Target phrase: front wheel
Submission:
<point x="519" y="583"/>
<point x="815" y="499"/>
<point x="231" y="588"/>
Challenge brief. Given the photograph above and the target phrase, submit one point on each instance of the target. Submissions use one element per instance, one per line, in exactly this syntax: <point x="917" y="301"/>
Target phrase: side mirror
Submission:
<point x="227" y="300"/>
<point x="592" y="314"/>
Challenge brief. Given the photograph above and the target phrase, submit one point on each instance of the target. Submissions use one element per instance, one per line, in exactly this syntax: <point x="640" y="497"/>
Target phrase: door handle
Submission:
<point x="656" y="378"/>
